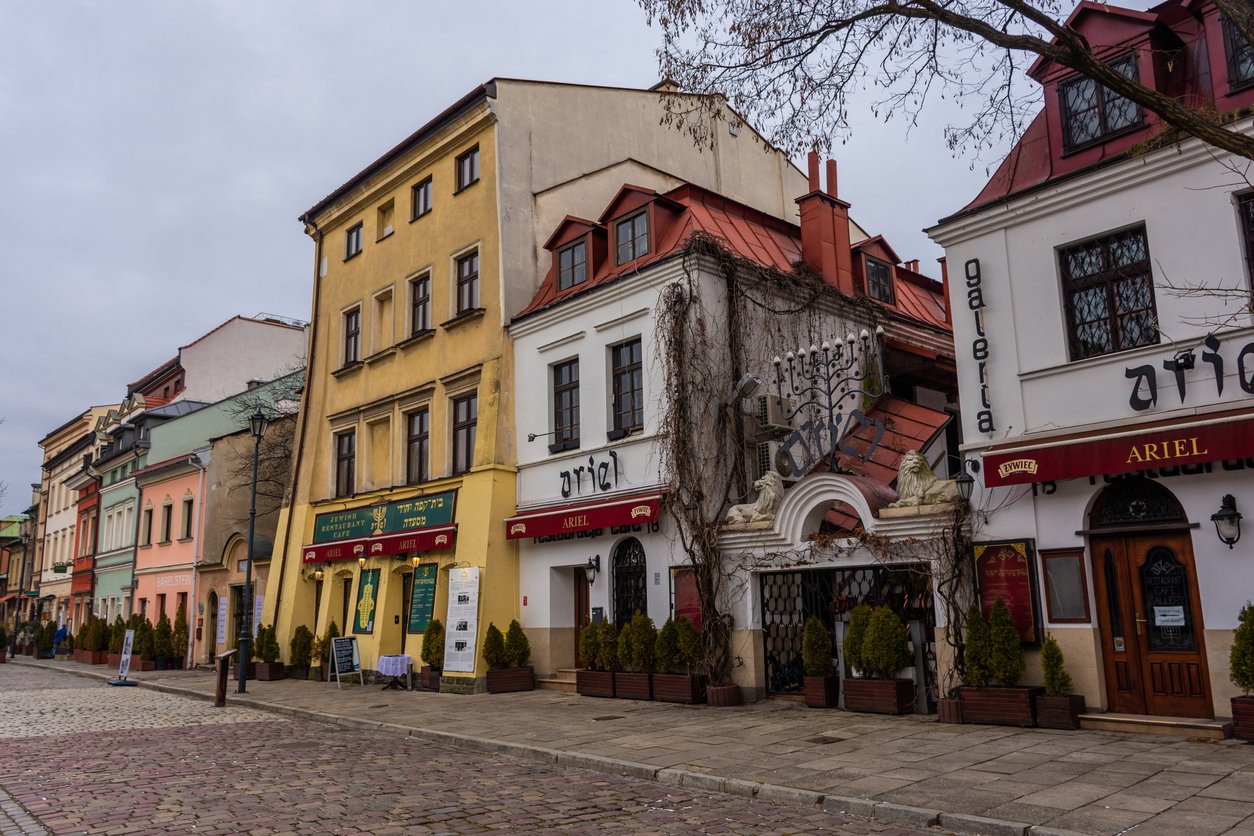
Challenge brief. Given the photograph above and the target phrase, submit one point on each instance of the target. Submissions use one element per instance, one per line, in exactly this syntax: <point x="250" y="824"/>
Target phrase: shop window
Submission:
<point x="1109" y="290"/>
<point x="1066" y="589"/>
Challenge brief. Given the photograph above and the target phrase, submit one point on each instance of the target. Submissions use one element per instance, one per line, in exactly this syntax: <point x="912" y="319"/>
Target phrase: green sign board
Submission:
<point x="373" y="520"/>
<point x="422" y="598"/>
<point x="367" y="601"/>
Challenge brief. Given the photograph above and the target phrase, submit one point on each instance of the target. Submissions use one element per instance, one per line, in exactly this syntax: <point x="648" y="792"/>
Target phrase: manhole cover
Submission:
<point x="823" y="741"/>
<point x="607" y="717"/>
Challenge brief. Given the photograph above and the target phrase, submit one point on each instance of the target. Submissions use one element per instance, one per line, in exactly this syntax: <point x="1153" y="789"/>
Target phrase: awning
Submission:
<point x="584" y="516"/>
<point x="1174" y="442"/>
<point x="420" y="540"/>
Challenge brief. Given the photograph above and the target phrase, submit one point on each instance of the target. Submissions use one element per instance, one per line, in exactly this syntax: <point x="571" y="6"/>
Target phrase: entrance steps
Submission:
<point x="562" y="680"/>
<point x="1146" y="724"/>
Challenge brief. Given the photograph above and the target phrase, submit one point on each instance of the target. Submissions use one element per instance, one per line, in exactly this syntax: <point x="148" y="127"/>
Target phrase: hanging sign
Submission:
<point x="367" y="601"/>
<point x="463" y="620"/>
<point x="1005" y="570"/>
<point x="422" y="597"/>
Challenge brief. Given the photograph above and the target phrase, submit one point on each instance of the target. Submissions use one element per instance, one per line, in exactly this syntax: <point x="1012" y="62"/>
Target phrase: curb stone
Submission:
<point x="861" y="807"/>
<point x="978" y="824"/>
<point x="1042" y="830"/>
<point x="886" y="811"/>
<point x="791" y="796"/>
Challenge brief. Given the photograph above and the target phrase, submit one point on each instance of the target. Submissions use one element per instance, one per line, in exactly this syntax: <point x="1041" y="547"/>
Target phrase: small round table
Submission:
<point x="396" y="666"/>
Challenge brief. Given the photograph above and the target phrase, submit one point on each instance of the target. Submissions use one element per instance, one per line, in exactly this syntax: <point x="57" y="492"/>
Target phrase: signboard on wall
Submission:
<point x="222" y="604"/>
<point x="367" y="601"/>
<point x="1006" y="570"/>
<point x="463" y="620"/>
<point x="373" y="520"/>
<point x="422" y="597"/>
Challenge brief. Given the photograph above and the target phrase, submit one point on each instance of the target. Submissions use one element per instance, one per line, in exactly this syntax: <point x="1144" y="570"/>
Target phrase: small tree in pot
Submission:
<point x="994" y="652"/>
<point x="593" y="680"/>
<point x="269" y="668"/>
<point x="1241" y="672"/>
<point x="324" y="655"/>
<point x="607" y="654"/>
<point x="117" y="637"/>
<point x="433" y="654"/>
<point x="498" y="660"/>
<point x="637" y="646"/>
<point x="678" y="651"/>
<point x="300" y="650"/>
<point x="822" y="686"/>
<point x="516" y="673"/>
<point x="144" y="645"/>
<point x="163" y="642"/>
<point x="882" y="652"/>
<point x="180" y="638"/>
<point x="1057" y="708"/>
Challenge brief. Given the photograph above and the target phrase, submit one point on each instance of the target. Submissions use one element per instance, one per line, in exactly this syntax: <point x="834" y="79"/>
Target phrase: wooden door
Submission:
<point x="583" y="611"/>
<point x="407" y="586"/>
<point x="1150" y="617"/>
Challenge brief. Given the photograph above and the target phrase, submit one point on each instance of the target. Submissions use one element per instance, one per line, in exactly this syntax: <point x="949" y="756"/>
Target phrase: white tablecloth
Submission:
<point x="395" y="665"/>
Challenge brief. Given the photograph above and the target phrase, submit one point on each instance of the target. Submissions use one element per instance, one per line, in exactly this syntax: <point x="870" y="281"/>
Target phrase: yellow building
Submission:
<point x="404" y="466"/>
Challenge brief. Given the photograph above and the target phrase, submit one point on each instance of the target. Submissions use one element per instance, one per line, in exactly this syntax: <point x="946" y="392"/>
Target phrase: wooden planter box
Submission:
<point x="139" y="663"/>
<point x="429" y="678"/>
<point x="949" y="711"/>
<point x="319" y="673"/>
<point x="723" y="695"/>
<point x="3" y="651"/>
<point x="880" y="696"/>
<point x="1059" y="712"/>
<point x="296" y="672"/>
<point x="594" y="683"/>
<point x="91" y="657"/>
<point x="685" y="688"/>
<point x="269" y="671"/>
<point x="114" y="659"/>
<point x="633" y="686"/>
<point x="821" y="691"/>
<point x="505" y="680"/>
<point x="1243" y="718"/>
<point x="251" y="673"/>
<point x="1000" y="706"/>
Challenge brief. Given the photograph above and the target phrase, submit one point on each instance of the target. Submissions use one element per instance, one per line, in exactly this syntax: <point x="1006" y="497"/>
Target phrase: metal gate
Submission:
<point x="630" y="591"/>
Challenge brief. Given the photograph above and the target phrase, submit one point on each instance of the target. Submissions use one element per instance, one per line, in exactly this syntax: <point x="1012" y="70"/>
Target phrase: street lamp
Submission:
<point x="258" y="424"/>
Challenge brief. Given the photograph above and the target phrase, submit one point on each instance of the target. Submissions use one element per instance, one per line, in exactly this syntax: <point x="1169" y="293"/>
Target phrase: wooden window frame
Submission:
<point x="566" y="276"/>
<point x="420" y="198"/>
<point x="467" y="282"/>
<point x="1234" y="44"/>
<point x="147" y="526"/>
<point x="889" y="297"/>
<point x="420" y="306"/>
<point x="352" y="335"/>
<point x="1107" y="278"/>
<point x="464" y="431"/>
<point x="346" y="462"/>
<point x="565" y="405"/>
<point x="418" y="467"/>
<point x="1076" y="554"/>
<point x="635" y="239"/>
<point x="167" y="523"/>
<point x="620" y="427"/>
<point x="467" y="177"/>
<point x="1245" y="217"/>
<point x="354" y="239"/>
<point x="188" y="518"/>
<point x="1100" y="93"/>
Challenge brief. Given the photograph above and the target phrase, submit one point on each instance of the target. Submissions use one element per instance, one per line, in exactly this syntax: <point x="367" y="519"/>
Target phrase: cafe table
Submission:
<point x="397" y="666"/>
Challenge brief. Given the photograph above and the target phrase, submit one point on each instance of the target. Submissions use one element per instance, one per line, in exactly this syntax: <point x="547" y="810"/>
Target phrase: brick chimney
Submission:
<point x="825" y="230"/>
<point x="949" y="309"/>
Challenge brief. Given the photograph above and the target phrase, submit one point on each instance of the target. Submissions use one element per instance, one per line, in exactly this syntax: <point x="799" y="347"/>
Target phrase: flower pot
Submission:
<point x="821" y="691"/>
<point x="1243" y="718"/>
<point x="594" y="683"/>
<point x="429" y="678"/>
<point x="633" y="686"/>
<point x="163" y="663"/>
<point x="319" y="673"/>
<point x="176" y="663"/>
<point x="142" y="664"/>
<point x="250" y="673"/>
<point x="297" y="672"/>
<point x="1059" y="712"/>
<point x="949" y="711"/>
<point x="723" y="695"/>
<point x="90" y="657"/>
<point x="1000" y="706"/>
<point x="505" y="680"/>
<point x="269" y="671"/>
<point x="113" y="660"/>
<point x="685" y="688"/>
<point x="880" y="696"/>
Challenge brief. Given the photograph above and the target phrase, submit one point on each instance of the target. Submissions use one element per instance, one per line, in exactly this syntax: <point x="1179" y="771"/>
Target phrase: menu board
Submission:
<point x="345" y="659"/>
<point x="367" y="601"/>
<point x="1004" y="570"/>
<point x="463" y="620"/>
<point x="422" y="597"/>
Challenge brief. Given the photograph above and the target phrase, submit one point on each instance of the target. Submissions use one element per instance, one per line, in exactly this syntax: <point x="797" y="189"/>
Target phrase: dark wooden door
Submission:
<point x="407" y="586"/>
<point x="583" y="610"/>
<point x="1150" y="617"/>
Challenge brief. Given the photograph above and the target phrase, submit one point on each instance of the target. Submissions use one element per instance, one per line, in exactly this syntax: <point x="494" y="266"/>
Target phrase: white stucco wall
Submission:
<point x="222" y="362"/>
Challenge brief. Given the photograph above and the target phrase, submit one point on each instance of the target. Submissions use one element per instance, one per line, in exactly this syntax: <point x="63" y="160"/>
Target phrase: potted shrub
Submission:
<point x="45" y="640"/>
<point x="269" y="668"/>
<point x="433" y="654"/>
<point x="505" y="674"/>
<point x="1057" y="708"/>
<point x="593" y="680"/>
<point x="318" y="658"/>
<point x="607" y="652"/>
<point x="117" y="636"/>
<point x="678" y="652"/>
<point x="637" y="644"/>
<point x="178" y="642"/>
<point x="325" y="670"/>
<point x="163" y="642"/>
<point x="93" y="644"/>
<point x="995" y="654"/>
<point x="301" y="649"/>
<point x="822" y="686"/>
<point x="1241" y="672"/>
<point x="882" y="652"/>
<point x="143" y="647"/>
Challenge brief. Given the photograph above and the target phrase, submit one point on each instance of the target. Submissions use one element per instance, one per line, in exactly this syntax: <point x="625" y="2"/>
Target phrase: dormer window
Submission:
<point x="1240" y="56"/>
<point x="879" y="280"/>
<point x="572" y="265"/>
<point x="631" y="236"/>
<point x="1092" y="111"/>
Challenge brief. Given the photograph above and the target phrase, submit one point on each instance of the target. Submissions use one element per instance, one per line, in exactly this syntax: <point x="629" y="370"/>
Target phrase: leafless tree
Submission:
<point x="793" y="66"/>
<point x="279" y="402"/>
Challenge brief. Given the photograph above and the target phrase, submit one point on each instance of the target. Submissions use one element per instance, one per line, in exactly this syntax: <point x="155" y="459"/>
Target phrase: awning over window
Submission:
<point x="421" y="540"/>
<point x="584" y="516"/>
<point x="1174" y="442"/>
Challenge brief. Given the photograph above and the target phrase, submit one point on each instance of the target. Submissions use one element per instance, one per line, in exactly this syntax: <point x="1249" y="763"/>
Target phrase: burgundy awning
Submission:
<point x="584" y="516"/>
<point x="419" y="540"/>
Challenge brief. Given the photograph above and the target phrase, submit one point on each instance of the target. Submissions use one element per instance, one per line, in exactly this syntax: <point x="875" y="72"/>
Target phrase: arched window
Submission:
<point x="629" y="580"/>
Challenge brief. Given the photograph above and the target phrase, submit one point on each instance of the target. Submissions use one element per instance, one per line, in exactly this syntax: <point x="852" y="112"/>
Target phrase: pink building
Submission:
<point x="169" y="525"/>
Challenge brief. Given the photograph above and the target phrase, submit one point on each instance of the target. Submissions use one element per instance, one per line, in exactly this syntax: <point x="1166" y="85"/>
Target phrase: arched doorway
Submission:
<point x="210" y="635"/>
<point x="1149" y="612"/>
<point x="630" y="580"/>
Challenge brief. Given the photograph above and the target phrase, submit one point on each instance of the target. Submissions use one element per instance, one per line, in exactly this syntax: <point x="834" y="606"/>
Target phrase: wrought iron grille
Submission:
<point x="629" y="581"/>
<point x="1136" y="500"/>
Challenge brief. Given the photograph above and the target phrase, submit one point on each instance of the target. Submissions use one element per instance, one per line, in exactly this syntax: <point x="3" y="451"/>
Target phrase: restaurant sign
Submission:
<point x="1006" y="570"/>
<point x="630" y="510"/>
<point x="373" y="520"/>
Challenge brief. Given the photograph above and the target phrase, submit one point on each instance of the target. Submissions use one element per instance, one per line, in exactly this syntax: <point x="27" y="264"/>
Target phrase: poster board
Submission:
<point x="222" y="604"/>
<point x="422" y="597"/>
<point x="124" y="664"/>
<point x="463" y="620"/>
<point x="367" y="601"/>
<point x="1006" y="569"/>
<point x="346" y="659"/>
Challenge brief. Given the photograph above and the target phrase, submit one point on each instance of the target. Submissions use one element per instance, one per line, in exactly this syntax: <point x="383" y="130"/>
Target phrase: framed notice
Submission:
<point x="222" y="603"/>
<point x="422" y="597"/>
<point x="367" y="601"/>
<point x="686" y="602"/>
<point x="463" y="620"/>
<point x="1006" y="570"/>
<point x="1066" y="587"/>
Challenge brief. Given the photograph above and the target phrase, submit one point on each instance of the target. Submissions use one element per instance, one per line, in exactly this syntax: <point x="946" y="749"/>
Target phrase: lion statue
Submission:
<point x="918" y="485"/>
<point x="770" y="490"/>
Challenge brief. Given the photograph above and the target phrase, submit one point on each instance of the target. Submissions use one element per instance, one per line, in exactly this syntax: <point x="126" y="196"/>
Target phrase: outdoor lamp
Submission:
<point x="593" y="566"/>
<point x="361" y="563"/>
<point x="317" y="575"/>
<point x="966" y="483"/>
<point x="259" y="423"/>
<point x="1227" y="520"/>
<point x="416" y="559"/>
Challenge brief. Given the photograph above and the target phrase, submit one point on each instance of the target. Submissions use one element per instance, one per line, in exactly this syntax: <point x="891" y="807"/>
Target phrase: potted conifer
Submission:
<point x="822" y="686"/>
<point x="678" y="652"/>
<point x="884" y="650"/>
<point x="269" y="668"/>
<point x="117" y="637"/>
<point x="301" y="649"/>
<point x="433" y="654"/>
<point x="1241" y="672"/>
<point x="324" y="655"/>
<point x="998" y="657"/>
<point x="163" y="642"/>
<point x="143" y="646"/>
<point x="509" y="660"/>
<point x="637" y="645"/>
<point x="1057" y="708"/>
<point x="594" y="679"/>
<point x="179" y="639"/>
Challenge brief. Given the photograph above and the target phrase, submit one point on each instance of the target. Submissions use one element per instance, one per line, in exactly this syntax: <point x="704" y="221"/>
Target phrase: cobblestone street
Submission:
<point x="81" y="757"/>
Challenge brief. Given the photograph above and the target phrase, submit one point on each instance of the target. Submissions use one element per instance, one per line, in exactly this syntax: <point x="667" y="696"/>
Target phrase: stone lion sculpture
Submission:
<point x="918" y="485"/>
<point x="770" y="490"/>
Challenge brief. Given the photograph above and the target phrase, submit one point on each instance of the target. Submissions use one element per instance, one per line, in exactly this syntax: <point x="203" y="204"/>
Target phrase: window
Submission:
<point x="631" y="236"/>
<point x="1109" y="293"/>
<point x="1091" y="111"/>
<point x="468" y="168"/>
<point x="572" y="265"/>
<point x="352" y="336"/>
<point x="465" y="415"/>
<point x="628" y="382"/>
<point x="879" y="280"/>
<point x="565" y="406"/>
<point x="160" y="604"/>
<point x="1240" y="56"/>
<point x="383" y="221"/>
<point x="420" y="304"/>
<point x="187" y="519"/>
<point x="1245" y="208"/>
<point x="166" y="512"/>
<point x="352" y="240"/>
<point x="146" y="526"/>
<point x="418" y="446"/>
<point x="420" y="196"/>
<point x="345" y="462"/>
<point x="468" y="282"/>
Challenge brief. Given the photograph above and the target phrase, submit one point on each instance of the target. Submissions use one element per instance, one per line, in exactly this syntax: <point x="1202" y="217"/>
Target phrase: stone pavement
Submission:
<point x="906" y="770"/>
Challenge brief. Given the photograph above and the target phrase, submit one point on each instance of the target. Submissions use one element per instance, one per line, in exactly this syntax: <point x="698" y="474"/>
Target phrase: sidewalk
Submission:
<point x="905" y="770"/>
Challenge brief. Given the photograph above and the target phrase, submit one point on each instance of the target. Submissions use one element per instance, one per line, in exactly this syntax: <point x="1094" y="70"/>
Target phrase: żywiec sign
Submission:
<point x="371" y="521"/>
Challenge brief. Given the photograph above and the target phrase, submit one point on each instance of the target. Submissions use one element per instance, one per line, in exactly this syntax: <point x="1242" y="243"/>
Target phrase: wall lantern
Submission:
<point x="416" y="559"/>
<point x="317" y="575"/>
<point x="258" y="423"/>
<point x="1227" y="520"/>
<point x="593" y="566"/>
<point x="361" y="563"/>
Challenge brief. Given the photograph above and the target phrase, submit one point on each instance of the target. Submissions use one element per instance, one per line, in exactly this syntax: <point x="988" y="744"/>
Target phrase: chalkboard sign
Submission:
<point x="422" y="598"/>
<point x="345" y="659"/>
<point x="1005" y="570"/>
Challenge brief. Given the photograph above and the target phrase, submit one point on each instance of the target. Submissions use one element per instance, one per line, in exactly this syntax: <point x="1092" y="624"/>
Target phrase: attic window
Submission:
<point x="572" y="265"/>
<point x="631" y="236"/>
<point x="879" y="280"/>
<point x="1240" y="56"/>
<point x="1092" y="111"/>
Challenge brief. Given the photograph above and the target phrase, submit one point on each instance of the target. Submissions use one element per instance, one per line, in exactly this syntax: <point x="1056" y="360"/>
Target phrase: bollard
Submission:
<point x="224" y="668"/>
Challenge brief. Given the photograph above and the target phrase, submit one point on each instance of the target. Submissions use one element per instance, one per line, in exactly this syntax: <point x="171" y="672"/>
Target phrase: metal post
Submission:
<point x="246" y="639"/>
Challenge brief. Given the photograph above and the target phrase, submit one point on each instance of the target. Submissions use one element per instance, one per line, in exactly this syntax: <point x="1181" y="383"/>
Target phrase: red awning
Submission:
<point x="420" y="540"/>
<point x="584" y="516"/>
<point x="1174" y="442"/>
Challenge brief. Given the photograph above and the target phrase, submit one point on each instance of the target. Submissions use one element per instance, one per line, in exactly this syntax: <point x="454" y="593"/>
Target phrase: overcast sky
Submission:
<point x="155" y="156"/>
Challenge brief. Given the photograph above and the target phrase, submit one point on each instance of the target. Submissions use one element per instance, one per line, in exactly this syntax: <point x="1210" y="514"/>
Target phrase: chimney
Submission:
<point x="825" y="229"/>
<point x="949" y="317"/>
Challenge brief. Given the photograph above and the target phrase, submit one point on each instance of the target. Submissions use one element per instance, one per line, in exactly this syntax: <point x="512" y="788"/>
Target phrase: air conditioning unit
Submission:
<point x="776" y="413"/>
<point x="769" y="456"/>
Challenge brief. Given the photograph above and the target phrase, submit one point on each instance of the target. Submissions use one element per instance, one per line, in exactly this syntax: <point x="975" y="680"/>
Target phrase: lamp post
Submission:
<point x="258" y="424"/>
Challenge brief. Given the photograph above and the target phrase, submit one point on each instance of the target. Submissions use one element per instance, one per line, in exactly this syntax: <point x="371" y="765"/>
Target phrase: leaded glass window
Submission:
<point x="1091" y="110"/>
<point x="1109" y="291"/>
